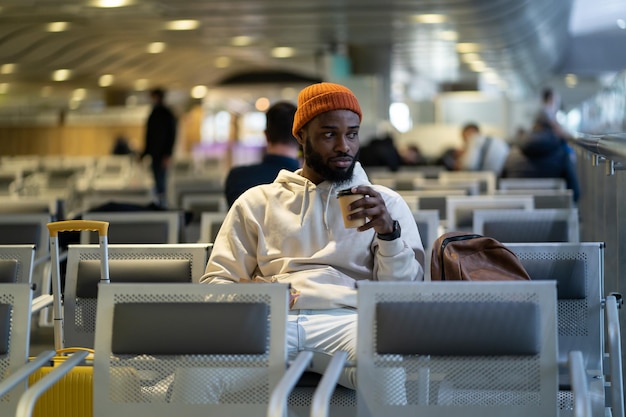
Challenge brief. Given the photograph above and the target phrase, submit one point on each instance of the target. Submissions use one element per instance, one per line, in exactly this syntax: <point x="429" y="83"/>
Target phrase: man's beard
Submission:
<point x="317" y="164"/>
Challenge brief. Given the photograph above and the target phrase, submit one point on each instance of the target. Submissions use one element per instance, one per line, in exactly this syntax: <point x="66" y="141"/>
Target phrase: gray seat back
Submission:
<point x="140" y="263"/>
<point x="457" y="348"/>
<point x="207" y="349"/>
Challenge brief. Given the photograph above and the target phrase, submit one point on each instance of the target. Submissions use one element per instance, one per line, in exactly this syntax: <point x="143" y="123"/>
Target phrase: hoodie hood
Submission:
<point x="295" y="182"/>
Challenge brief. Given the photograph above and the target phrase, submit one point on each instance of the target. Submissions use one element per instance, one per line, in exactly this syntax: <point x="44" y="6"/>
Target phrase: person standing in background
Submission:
<point x="281" y="153"/>
<point x="159" y="142"/>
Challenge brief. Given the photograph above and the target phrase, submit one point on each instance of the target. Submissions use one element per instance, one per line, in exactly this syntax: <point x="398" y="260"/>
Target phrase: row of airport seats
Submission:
<point x="454" y="212"/>
<point x="84" y="182"/>
<point x="156" y="356"/>
<point x="508" y="209"/>
<point x="583" y="314"/>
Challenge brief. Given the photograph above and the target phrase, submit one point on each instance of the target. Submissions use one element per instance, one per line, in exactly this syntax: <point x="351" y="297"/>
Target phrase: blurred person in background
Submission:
<point x="481" y="152"/>
<point x="159" y="142"/>
<point x="381" y="151"/>
<point x="543" y="151"/>
<point x="282" y="153"/>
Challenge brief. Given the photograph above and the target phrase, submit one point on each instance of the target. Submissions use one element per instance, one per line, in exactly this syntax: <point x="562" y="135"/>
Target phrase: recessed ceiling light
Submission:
<point x="57" y="26"/>
<point x="141" y="84"/>
<point x="282" y="52"/>
<point x="470" y="57"/>
<point x="222" y="62"/>
<point x="79" y="94"/>
<point x="156" y="47"/>
<point x="111" y="3"/>
<point x="448" y="35"/>
<point x="241" y="40"/>
<point x="467" y="47"/>
<point x="188" y="24"/>
<point x="7" y="68"/>
<point x="61" y="75"/>
<point x="478" y="66"/>
<point x="430" y="18"/>
<point x="571" y="80"/>
<point x="262" y="104"/>
<point x="106" y="80"/>
<point x="199" y="91"/>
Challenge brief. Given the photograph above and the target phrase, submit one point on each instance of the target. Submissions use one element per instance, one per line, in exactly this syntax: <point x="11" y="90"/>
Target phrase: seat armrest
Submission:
<point x="615" y="356"/>
<point x="278" y="397"/>
<point x="580" y="389"/>
<point x="321" y="397"/>
<point x="25" y="371"/>
<point x="41" y="302"/>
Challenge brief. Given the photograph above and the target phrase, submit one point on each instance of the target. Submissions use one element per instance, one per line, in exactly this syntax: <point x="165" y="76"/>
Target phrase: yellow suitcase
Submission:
<point x="72" y="395"/>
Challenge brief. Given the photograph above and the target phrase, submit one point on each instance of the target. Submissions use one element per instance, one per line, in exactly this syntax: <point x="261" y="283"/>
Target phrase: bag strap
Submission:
<point x="445" y="242"/>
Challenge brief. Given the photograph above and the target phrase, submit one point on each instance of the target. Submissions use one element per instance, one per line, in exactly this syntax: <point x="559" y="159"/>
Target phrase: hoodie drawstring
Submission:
<point x="325" y="218"/>
<point x="305" y="202"/>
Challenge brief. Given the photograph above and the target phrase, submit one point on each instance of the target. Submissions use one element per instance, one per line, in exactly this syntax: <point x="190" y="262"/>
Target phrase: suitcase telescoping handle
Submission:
<point x="71" y="226"/>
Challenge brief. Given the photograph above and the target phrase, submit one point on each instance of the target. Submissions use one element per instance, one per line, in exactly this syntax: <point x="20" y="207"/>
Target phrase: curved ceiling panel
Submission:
<point x="520" y="41"/>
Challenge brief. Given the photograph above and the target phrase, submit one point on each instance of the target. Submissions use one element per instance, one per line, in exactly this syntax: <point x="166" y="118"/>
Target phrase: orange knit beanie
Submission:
<point x="320" y="98"/>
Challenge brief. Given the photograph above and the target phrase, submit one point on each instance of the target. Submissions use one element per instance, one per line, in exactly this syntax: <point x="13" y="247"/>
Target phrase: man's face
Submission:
<point x="468" y="133"/>
<point x="331" y="146"/>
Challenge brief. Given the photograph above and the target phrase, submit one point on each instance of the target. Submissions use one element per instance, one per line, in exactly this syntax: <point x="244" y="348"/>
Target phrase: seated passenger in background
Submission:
<point x="281" y="153"/>
<point x="480" y="152"/>
<point x="381" y="151"/>
<point x="292" y="230"/>
<point x="412" y="156"/>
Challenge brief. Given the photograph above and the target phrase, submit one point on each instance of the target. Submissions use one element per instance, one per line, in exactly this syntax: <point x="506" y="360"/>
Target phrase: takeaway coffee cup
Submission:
<point x="346" y="197"/>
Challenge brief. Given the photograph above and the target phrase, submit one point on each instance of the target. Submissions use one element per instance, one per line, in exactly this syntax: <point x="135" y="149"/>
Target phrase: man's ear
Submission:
<point x="300" y="137"/>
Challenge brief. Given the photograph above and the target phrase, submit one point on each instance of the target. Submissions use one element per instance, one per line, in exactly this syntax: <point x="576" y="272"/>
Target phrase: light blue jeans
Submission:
<point x="324" y="332"/>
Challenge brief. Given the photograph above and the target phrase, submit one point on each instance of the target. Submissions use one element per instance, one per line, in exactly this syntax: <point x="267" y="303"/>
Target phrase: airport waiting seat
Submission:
<point x="523" y="226"/>
<point x="583" y="315"/>
<point x="428" y="226"/>
<point x="470" y="186"/>
<point x="459" y="209"/>
<point x="30" y="229"/>
<point x="198" y="204"/>
<point x="460" y="348"/>
<point x="399" y="180"/>
<point x="210" y="223"/>
<point x="192" y="350"/>
<point x="546" y="198"/>
<point x="487" y="179"/>
<point x="134" y="227"/>
<point x="531" y="184"/>
<point x="15" y="319"/>
<point x="147" y="263"/>
<point x="430" y="199"/>
<point x="16" y="263"/>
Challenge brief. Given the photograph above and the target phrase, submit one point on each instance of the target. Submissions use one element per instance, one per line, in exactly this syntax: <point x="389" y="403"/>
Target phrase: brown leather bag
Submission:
<point x="461" y="256"/>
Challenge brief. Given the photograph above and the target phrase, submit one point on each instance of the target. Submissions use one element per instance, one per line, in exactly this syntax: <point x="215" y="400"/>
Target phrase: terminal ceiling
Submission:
<point x="417" y="44"/>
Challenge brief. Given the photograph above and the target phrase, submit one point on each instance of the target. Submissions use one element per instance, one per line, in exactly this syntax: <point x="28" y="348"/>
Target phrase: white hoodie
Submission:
<point x="292" y="231"/>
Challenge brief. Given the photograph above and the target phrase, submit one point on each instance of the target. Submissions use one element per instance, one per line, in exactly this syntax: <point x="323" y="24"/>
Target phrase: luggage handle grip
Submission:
<point x="67" y="350"/>
<point x="77" y="225"/>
